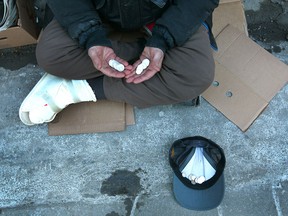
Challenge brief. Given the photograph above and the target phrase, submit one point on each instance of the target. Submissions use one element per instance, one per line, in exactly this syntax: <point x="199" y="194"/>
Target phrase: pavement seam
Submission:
<point x="135" y="205"/>
<point x="220" y="211"/>
<point x="276" y="198"/>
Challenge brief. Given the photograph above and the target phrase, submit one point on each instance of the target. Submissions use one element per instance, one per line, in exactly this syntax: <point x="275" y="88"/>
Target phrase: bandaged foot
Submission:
<point x="51" y="95"/>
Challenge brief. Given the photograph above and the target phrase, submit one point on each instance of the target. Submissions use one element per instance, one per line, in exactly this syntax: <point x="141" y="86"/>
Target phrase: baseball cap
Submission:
<point x="198" y="164"/>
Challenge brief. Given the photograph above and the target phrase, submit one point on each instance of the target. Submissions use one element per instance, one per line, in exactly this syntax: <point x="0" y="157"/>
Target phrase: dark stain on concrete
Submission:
<point x="113" y="214"/>
<point x="275" y="49"/>
<point x="18" y="57"/>
<point x="267" y="25"/>
<point x="128" y="206"/>
<point x="123" y="182"/>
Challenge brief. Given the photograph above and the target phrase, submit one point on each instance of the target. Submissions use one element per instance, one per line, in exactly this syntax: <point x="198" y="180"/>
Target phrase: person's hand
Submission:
<point x="155" y="56"/>
<point x="101" y="55"/>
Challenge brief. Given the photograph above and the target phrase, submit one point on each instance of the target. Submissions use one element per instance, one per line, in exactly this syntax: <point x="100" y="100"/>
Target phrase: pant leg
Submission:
<point x="55" y="50"/>
<point x="61" y="56"/>
<point x="187" y="71"/>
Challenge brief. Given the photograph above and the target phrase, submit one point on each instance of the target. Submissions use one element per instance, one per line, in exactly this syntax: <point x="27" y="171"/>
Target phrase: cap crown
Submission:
<point x="197" y="155"/>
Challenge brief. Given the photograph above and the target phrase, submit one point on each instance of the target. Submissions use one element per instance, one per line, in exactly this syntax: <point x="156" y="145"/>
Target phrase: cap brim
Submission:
<point x="199" y="200"/>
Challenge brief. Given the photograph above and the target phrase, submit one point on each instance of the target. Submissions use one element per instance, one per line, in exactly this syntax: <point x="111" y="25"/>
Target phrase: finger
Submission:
<point x="122" y="61"/>
<point x="136" y="63"/>
<point x="132" y="73"/>
<point x="130" y="78"/>
<point x="147" y="74"/>
<point x="97" y="63"/>
<point x="111" y="72"/>
<point x="128" y="71"/>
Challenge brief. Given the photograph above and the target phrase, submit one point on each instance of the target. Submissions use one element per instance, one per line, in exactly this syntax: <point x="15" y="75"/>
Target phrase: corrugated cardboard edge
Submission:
<point x="257" y="68"/>
<point x="89" y="117"/>
<point x="228" y="1"/>
<point x="14" y="37"/>
<point x="245" y="102"/>
<point x="130" y="117"/>
<point x="229" y="12"/>
<point x="234" y="99"/>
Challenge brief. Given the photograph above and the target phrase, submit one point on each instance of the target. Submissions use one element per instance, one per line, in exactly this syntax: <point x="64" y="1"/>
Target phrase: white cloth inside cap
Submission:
<point x="198" y="166"/>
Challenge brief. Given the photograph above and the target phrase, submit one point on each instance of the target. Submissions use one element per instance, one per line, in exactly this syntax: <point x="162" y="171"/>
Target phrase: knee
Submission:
<point x="51" y="63"/>
<point x="207" y="76"/>
<point x="193" y="86"/>
<point x="45" y="58"/>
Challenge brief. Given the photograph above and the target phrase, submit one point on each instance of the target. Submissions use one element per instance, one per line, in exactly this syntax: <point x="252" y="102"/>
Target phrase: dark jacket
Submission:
<point x="175" y="20"/>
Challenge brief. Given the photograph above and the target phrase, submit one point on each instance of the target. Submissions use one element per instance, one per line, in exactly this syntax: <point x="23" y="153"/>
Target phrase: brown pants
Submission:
<point x="186" y="72"/>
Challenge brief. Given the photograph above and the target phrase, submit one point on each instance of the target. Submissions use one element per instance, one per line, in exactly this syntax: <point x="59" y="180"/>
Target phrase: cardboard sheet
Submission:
<point x="247" y="78"/>
<point x="130" y="117"/>
<point x="228" y="1"/>
<point x="90" y="117"/>
<point x="229" y="12"/>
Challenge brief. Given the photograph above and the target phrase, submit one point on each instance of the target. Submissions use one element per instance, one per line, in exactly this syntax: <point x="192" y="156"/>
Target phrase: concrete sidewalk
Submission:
<point x="128" y="173"/>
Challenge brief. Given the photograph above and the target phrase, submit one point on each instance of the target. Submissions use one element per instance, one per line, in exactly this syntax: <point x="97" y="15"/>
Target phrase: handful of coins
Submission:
<point x="116" y="65"/>
<point x="198" y="180"/>
<point x="120" y="67"/>
<point x="195" y="169"/>
<point x="145" y="63"/>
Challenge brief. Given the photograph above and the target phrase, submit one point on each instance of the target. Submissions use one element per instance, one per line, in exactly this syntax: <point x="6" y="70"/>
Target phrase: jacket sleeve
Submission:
<point x="81" y="20"/>
<point x="179" y="22"/>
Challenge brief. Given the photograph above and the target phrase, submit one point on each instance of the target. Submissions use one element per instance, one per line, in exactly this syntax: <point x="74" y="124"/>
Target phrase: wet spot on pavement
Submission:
<point x="122" y="182"/>
<point x="270" y="26"/>
<point x="113" y="214"/>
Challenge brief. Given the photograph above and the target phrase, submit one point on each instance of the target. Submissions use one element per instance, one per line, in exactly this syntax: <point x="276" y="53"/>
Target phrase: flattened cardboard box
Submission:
<point x="229" y="12"/>
<point x="90" y="117"/>
<point x="247" y="78"/>
<point x="26" y="32"/>
<point x="228" y="1"/>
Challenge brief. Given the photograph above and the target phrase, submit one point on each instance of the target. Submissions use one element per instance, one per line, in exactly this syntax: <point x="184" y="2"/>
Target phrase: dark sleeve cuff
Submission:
<point x="160" y="38"/>
<point x="95" y="36"/>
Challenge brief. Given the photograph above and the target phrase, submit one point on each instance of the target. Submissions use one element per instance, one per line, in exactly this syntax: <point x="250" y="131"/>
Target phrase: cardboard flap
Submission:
<point x="228" y="1"/>
<point x="248" y="77"/>
<point x="229" y="13"/>
<point x="236" y="100"/>
<point x="256" y="67"/>
<point x="89" y="117"/>
<point x="130" y="117"/>
<point x="8" y="39"/>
